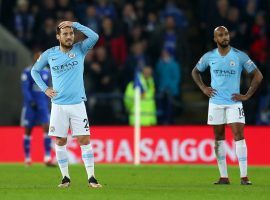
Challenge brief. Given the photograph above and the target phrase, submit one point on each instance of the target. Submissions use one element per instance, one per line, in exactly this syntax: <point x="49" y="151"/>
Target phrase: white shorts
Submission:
<point x="65" y="117"/>
<point x="225" y="114"/>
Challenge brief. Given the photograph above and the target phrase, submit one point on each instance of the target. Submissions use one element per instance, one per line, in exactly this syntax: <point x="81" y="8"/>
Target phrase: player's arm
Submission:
<point x="200" y="67"/>
<point x="41" y="62"/>
<point x="208" y="91"/>
<point x="256" y="79"/>
<point x="92" y="37"/>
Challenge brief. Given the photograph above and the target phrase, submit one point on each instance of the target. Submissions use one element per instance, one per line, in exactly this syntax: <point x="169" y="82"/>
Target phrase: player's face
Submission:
<point x="222" y="37"/>
<point x="66" y="37"/>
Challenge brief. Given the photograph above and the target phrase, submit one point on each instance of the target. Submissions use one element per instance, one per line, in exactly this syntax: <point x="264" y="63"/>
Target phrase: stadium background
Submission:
<point x="143" y="24"/>
<point x="133" y="34"/>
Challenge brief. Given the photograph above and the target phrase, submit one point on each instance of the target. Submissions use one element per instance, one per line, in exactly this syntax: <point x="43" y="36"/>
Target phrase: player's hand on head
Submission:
<point x="65" y="24"/>
<point x="50" y="92"/>
<point x="239" y="97"/>
<point x="210" y="92"/>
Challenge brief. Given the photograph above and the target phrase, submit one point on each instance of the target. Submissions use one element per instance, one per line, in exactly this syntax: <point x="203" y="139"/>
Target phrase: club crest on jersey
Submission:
<point x="232" y="63"/>
<point x="71" y="55"/>
<point x="52" y="129"/>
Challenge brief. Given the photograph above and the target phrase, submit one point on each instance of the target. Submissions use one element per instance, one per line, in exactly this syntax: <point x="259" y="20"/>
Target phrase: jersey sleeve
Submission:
<point x="247" y="63"/>
<point x="91" y="39"/>
<point x="202" y="63"/>
<point x="26" y="86"/>
<point x="41" y="63"/>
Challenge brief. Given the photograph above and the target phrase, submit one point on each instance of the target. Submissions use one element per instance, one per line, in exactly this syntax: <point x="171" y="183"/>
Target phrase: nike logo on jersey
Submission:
<point x="54" y="59"/>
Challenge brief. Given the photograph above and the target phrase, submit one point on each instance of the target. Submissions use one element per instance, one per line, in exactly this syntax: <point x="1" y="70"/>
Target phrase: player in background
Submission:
<point x="66" y="63"/>
<point x="225" y="105"/>
<point x="35" y="112"/>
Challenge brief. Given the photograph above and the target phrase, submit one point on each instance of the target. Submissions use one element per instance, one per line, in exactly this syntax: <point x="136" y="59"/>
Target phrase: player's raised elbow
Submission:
<point x="95" y="37"/>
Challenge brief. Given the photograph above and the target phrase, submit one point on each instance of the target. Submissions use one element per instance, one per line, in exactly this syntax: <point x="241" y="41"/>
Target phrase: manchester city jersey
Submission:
<point x="225" y="73"/>
<point x="66" y="69"/>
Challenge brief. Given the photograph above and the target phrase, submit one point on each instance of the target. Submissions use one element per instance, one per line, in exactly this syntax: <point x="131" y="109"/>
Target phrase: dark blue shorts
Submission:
<point x="31" y="117"/>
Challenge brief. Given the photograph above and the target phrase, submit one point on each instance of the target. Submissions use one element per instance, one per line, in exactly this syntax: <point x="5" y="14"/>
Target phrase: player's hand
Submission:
<point x="65" y="24"/>
<point x="239" y="97"/>
<point x="50" y="92"/>
<point x="210" y="92"/>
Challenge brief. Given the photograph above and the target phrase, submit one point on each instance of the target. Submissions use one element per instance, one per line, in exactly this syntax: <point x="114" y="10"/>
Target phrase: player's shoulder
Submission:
<point x="27" y="69"/>
<point x="26" y="73"/>
<point x="238" y="52"/>
<point x="209" y="54"/>
<point x="51" y="50"/>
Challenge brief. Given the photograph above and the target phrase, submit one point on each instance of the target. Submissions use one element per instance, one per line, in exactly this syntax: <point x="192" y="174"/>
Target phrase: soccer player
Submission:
<point x="225" y="105"/>
<point x="35" y="111"/>
<point x="68" y="95"/>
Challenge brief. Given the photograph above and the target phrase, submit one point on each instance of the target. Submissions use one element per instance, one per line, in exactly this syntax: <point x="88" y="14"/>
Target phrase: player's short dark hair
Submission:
<point x="58" y="30"/>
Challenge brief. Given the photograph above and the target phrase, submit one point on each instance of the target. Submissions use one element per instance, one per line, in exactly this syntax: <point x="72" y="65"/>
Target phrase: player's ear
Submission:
<point x="57" y="36"/>
<point x="215" y="40"/>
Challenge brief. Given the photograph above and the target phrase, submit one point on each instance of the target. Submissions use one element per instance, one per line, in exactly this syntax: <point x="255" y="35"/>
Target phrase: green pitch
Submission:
<point x="128" y="182"/>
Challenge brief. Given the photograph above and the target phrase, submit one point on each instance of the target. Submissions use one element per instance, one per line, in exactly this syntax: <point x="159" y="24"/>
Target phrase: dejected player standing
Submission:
<point x="68" y="95"/>
<point x="225" y="105"/>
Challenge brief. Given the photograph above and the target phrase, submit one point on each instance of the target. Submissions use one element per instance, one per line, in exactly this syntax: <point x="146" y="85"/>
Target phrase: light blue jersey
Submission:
<point x="225" y="73"/>
<point x="66" y="69"/>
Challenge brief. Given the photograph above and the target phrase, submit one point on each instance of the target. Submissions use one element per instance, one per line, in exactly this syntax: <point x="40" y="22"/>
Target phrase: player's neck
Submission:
<point x="223" y="51"/>
<point x="65" y="49"/>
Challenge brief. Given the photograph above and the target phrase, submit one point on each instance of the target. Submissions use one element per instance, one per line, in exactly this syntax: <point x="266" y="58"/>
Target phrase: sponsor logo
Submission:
<point x="53" y="59"/>
<point x="187" y="150"/>
<point x="220" y="72"/>
<point x="65" y="67"/>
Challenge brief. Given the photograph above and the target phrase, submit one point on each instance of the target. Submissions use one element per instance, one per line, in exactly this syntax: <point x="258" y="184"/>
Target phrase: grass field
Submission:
<point x="129" y="182"/>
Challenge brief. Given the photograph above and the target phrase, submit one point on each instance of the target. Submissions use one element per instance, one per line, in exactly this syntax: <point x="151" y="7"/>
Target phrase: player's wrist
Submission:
<point x="45" y="89"/>
<point x="247" y="96"/>
<point x="75" y="24"/>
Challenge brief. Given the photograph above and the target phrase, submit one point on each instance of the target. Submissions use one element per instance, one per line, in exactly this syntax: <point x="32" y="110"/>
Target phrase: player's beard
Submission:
<point x="67" y="45"/>
<point x="224" y="44"/>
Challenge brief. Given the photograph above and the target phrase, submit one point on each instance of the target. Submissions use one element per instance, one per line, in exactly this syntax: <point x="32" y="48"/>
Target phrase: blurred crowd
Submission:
<point x="167" y="36"/>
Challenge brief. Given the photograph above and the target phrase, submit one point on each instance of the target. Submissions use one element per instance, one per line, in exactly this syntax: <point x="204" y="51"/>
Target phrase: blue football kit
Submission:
<point x="66" y="69"/>
<point x="225" y="73"/>
<point x="35" y="102"/>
